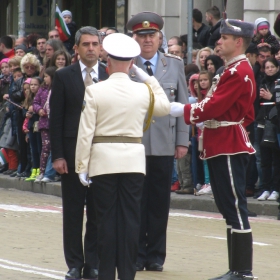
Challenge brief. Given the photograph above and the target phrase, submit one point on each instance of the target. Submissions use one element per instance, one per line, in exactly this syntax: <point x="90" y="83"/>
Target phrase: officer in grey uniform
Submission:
<point x="167" y="137"/>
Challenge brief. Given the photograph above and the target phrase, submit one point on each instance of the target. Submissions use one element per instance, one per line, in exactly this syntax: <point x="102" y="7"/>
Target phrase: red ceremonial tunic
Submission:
<point x="232" y="101"/>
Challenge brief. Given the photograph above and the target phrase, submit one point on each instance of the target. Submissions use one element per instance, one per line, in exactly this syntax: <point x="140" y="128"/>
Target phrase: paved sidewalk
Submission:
<point x="178" y="201"/>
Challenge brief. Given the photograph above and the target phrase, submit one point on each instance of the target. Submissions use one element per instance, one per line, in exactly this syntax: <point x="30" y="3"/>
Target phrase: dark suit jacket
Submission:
<point x="65" y="109"/>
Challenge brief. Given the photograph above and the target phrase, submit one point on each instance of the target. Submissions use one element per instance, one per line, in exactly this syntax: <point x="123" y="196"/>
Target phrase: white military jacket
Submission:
<point x="116" y="107"/>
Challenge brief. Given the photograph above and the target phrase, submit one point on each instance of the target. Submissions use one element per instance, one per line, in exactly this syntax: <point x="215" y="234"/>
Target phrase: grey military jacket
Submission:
<point x="165" y="133"/>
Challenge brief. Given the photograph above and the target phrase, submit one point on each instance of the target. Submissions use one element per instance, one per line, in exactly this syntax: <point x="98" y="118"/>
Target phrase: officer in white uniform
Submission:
<point x="109" y="152"/>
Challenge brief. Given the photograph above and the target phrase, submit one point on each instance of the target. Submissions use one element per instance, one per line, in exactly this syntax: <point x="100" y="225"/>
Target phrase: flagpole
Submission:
<point x="52" y="17"/>
<point x="21" y="18"/>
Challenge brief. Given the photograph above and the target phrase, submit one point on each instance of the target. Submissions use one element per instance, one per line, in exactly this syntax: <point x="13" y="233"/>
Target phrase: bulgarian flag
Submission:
<point x="61" y="26"/>
<point x="3" y="157"/>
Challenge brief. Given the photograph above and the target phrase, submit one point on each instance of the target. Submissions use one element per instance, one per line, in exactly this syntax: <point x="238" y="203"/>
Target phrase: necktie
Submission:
<point x="88" y="80"/>
<point x="148" y="68"/>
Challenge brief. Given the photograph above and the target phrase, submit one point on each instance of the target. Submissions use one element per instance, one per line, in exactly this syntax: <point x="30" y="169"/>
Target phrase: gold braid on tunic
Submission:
<point x="150" y="109"/>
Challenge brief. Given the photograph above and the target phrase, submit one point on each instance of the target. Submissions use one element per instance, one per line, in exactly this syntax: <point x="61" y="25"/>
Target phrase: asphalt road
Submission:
<point x="31" y="242"/>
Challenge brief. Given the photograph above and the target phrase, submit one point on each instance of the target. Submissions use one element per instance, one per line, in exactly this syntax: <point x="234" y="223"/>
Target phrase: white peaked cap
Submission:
<point x="121" y="47"/>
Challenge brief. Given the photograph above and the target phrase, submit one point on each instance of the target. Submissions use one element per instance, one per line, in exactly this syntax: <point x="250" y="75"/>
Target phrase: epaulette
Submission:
<point x="173" y="56"/>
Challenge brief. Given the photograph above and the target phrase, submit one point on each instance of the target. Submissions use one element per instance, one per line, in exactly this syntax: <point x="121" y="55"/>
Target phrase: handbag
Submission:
<point x="269" y="138"/>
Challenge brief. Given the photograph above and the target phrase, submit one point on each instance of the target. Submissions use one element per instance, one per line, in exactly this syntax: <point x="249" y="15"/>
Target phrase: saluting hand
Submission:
<point x="141" y="75"/>
<point x="177" y="109"/>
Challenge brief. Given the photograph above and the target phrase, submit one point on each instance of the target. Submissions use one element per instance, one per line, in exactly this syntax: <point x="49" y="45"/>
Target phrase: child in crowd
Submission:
<point x="204" y="84"/>
<point x="277" y="56"/>
<point x="5" y="77"/>
<point x="7" y="140"/>
<point x="9" y="144"/>
<point x="26" y="91"/>
<point x="39" y="107"/>
<point x="35" y="140"/>
<point x="199" y="86"/>
<point x="67" y="16"/>
<point x="17" y="74"/>
<point x="5" y="81"/>
<point x="197" y="165"/>
<point x="263" y="36"/>
<point x="14" y="62"/>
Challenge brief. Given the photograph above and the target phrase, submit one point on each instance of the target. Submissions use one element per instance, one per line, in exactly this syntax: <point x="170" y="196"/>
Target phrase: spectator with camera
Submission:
<point x="267" y="119"/>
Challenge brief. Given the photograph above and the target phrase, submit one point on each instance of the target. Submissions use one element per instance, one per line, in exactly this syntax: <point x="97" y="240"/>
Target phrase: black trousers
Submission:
<point x="270" y="165"/>
<point x="117" y="200"/>
<point x="228" y="182"/>
<point x="155" y="209"/>
<point x="74" y="195"/>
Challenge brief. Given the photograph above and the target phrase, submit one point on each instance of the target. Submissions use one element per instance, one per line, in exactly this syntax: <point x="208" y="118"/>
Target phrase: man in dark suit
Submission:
<point x="66" y="104"/>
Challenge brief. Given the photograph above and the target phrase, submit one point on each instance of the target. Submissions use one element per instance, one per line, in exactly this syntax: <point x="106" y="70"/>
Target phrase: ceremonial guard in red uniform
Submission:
<point x="226" y="111"/>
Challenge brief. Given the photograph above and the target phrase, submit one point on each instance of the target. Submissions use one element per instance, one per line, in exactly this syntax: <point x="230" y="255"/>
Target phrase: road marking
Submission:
<point x="17" y="208"/>
<point x="223" y="238"/>
<point x="32" y="272"/>
<point x="31" y="269"/>
<point x="30" y="266"/>
<point x="195" y="216"/>
<point x="218" y="216"/>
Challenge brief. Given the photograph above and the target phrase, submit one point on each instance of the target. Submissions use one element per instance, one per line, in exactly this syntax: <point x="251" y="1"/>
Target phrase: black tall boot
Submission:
<point x="229" y="256"/>
<point x="241" y="256"/>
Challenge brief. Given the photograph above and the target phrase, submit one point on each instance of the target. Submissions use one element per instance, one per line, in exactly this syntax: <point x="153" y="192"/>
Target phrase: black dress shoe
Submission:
<point x="9" y="171"/>
<point x="139" y="266"/>
<point x="154" y="267"/>
<point x="90" y="273"/>
<point x="4" y="167"/>
<point x="73" y="274"/>
<point x="14" y="174"/>
<point x="222" y="276"/>
<point x="251" y="214"/>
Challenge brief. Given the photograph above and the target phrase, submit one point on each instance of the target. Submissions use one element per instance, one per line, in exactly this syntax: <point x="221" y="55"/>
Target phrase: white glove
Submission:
<point x="177" y="109"/>
<point x="84" y="179"/>
<point x="141" y="75"/>
<point x="200" y="125"/>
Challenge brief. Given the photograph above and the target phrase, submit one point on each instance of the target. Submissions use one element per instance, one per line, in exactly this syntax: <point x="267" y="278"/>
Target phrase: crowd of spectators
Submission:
<point x="28" y="65"/>
<point x="263" y="179"/>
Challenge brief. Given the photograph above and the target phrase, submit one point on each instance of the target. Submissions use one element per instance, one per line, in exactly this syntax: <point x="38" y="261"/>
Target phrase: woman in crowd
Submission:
<point x="30" y="67"/>
<point x="201" y="56"/>
<point x="60" y="59"/>
<point x="270" y="153"/>
<point x="213" y="63"/>
<point x="52" y="46"/>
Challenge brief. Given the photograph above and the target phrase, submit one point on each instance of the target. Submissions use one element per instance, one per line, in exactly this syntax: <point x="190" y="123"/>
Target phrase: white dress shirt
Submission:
<point x="94" y="73"/>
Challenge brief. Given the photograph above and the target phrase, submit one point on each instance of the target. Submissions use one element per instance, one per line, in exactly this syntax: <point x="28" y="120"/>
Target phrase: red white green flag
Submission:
<point x="61" y="26"/>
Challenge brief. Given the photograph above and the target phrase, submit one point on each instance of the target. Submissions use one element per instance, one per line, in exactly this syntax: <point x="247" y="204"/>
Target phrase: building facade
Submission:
<point x="39" y="14"/>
